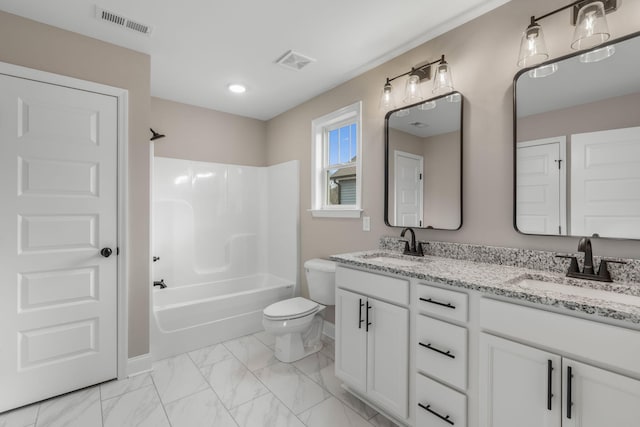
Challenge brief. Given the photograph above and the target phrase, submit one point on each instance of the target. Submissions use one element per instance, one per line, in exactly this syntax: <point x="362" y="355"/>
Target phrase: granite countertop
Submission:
<point x="504" y="281"/>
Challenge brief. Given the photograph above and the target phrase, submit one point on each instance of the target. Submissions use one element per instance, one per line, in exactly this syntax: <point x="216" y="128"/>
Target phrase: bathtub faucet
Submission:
<point x="160" y="283"/>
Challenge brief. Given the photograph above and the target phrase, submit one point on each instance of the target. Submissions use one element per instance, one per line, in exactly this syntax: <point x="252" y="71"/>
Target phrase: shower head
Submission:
<point x="155" y="135"/>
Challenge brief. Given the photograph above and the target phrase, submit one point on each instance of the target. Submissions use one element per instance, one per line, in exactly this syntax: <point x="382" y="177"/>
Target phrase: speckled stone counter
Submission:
<point x="515" y="257"/>
<point x="504" y="280"/>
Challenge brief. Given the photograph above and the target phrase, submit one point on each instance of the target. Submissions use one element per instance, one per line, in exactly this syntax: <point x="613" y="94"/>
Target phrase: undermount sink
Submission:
<point x="394" y="260"/>
<point x="580" y="291"/>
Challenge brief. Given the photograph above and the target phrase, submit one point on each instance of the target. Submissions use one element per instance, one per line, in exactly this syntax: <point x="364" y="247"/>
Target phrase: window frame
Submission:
<point x="320" y="128"/>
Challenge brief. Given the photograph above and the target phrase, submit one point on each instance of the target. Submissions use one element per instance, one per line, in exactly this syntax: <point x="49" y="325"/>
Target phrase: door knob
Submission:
<point x="106" y="252"/>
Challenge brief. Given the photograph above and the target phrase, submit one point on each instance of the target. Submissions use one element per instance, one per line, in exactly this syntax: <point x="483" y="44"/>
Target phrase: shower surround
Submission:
<point x="227" y="241"/>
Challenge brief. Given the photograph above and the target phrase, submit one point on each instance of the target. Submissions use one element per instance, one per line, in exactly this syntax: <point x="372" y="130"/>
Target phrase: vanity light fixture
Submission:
<point x="591" y="31"/>
<point x="442" y="84"/>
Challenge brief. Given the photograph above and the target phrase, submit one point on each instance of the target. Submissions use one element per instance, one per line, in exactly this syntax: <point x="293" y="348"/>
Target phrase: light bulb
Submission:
<point x="412" y="90"/>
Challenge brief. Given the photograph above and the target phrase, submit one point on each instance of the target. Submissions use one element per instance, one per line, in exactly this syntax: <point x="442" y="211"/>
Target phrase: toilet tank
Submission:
<point x="321" y="279"/>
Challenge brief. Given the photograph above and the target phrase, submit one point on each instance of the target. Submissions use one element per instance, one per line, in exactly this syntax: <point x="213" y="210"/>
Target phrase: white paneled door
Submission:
<point x="408" y="189"/>
<point x="605" y="183"/>
<point x="58" y="223"/>
<point x="540" y="203"/>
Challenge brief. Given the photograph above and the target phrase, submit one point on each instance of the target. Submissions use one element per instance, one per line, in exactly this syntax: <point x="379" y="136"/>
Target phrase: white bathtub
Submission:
<point x="189" y="317"/>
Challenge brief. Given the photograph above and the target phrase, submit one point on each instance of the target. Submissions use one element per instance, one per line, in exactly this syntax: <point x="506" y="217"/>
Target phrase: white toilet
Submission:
<point x="297" y="322"/>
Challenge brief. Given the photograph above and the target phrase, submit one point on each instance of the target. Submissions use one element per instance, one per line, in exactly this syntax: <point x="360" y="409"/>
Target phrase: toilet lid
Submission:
<point x="294" y="307"/>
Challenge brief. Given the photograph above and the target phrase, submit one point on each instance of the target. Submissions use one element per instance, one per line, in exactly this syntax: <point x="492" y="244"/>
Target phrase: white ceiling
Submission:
<point x="198" y="47"/>
<point x="444" y="118"/>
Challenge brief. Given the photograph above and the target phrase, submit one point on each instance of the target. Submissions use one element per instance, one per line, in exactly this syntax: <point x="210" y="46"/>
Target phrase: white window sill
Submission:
<point x="335" y="213"/>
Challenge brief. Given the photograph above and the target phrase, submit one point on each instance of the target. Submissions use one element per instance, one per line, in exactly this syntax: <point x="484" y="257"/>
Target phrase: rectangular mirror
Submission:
<point x="577" y="144"/>
<point x="423" y="164"/>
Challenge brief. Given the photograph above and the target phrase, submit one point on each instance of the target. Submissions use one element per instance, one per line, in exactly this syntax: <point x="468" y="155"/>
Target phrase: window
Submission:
<point x="336" y="163"/>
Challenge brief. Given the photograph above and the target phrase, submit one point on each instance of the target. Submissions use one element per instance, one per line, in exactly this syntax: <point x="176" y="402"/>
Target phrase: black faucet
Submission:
<point x="160" y="283"/>
<point x="584" y="245"/>
<point x="588" y="272"/>
<point x="411" y="249"/>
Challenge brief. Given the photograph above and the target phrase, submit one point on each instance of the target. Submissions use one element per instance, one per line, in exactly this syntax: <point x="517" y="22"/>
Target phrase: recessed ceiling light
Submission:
<point x="237" y="88"/>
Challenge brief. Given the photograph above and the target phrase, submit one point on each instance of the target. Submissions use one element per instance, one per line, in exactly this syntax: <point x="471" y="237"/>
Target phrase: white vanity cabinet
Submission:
<point x="598" y="397"/>
<point x="429" y="354"/>
<point x="520" y="385"/>
<point x="372" y="337"/>
<point x="528" y="387"/>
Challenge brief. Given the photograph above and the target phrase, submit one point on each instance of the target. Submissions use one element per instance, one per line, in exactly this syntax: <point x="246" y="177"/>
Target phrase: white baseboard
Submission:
<point x="139" y="364"/>
<point x="329" y="329"/>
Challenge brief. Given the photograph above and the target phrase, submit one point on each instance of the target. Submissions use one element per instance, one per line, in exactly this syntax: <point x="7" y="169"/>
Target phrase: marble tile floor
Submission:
<point x="238" y="383"/>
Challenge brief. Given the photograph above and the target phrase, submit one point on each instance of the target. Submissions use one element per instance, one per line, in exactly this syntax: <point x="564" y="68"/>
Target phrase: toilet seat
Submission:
<point x="292" y="308"/>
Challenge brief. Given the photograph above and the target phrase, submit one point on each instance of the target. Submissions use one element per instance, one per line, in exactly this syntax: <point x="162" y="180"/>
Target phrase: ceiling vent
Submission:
<point x="294" y="60"/>
<point x="122" y="21"/>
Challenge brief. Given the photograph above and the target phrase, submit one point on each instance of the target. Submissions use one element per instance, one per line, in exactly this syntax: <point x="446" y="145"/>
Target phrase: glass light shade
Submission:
<point x="412" y="90"/>
<point x="591" y="27"/>
<point x="454" y="97"/>
<point x="386" y="98"/>
<point x="403" y="113"/>
<point x="597" y="55"/>
<point x="442" y="79"/>
<point x="533" y="48"/>
<point x="425" y="106"/>
<point x="544" y="71"/>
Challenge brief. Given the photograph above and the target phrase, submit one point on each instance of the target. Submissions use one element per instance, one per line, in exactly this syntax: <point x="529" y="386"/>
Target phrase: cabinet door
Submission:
<point x="598" y="397"/>
<point x="351" y="339"/>
<point x="519" y="385"/>
<point x="388" y="356"/>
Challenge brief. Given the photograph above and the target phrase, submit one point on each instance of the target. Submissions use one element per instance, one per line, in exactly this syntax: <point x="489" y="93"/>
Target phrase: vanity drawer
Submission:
<point x="435" y="337"/>
<point x="599" y="343"/>
<point x="442" y="302"/>
<point x="437" y="402"/>
<point x="386" y="288"/>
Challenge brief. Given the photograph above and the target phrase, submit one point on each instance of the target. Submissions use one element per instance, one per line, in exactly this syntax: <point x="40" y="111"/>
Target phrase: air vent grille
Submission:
<point x="112" y="17"/>
<point x="136" y="26"/>
<point x="122" y="21"/>
<point x="294" y="60"/>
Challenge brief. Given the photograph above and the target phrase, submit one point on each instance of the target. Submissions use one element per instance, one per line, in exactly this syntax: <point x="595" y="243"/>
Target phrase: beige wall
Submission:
<point x="612" y="113"/>
<point x="483" y="55"/>
<point x="196" y="133"/>
<point x="34" y="45"/>
<point x="442" y="181"/>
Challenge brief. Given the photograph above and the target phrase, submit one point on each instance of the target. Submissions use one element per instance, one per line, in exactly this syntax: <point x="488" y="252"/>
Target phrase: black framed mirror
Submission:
<point x="423" y="164"/>
<point x="577" y="144"/>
